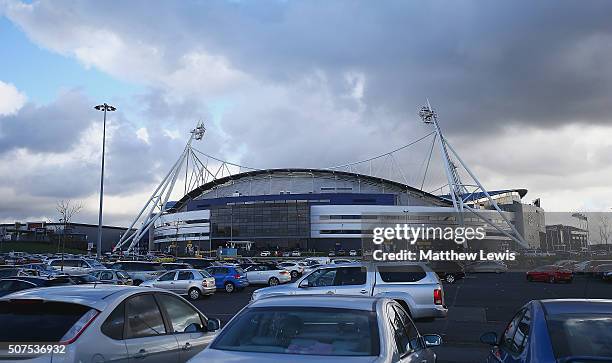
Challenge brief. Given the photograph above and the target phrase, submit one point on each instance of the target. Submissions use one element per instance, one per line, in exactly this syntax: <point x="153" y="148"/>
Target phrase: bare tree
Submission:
<point x="605" y="229"/>
<point x="67" y="210"/>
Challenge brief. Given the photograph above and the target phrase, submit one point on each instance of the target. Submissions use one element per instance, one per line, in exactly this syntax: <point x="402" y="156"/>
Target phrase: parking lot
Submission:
<point x="477" y="304"/>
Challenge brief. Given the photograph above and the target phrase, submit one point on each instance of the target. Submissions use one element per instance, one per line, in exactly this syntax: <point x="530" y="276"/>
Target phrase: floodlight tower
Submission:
<point x="156" y="205"/>
<point x="461" y="193"/>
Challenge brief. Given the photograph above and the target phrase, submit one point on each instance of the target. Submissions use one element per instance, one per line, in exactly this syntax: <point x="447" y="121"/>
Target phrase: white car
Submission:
<point x="352" y="253"/>
<point x="267" y="274"/>
<point x="265" y="254"/>
<point x="296" y="254"/>
<point x="294" y="268"/>
<point x="75" y="266"/>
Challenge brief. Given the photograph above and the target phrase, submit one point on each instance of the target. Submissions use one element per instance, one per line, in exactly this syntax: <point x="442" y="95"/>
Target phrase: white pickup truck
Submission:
<point x="414" y="285"/>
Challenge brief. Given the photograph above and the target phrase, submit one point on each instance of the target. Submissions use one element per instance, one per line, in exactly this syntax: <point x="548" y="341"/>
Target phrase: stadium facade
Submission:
<point x="317" y="210"/>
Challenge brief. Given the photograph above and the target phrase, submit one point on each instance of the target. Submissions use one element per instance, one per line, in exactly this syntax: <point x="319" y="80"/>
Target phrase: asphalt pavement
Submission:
<point x="477" y="304"/>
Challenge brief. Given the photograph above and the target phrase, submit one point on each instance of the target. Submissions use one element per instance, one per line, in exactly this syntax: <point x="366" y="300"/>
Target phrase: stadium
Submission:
<point x="326" y="209"/>
<point x="313" y="210"/>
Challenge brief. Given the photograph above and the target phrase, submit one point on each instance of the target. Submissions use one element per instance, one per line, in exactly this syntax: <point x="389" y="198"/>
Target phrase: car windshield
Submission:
<point x="303" y="331"/>
<point x="581" y="335"/>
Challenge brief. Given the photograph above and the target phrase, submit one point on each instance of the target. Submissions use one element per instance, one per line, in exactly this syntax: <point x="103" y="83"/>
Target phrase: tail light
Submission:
<point x="284" y="272"/>
<point x="79" y="327"/>
<point x="237" y="276"/>
<point x="438" y="297"/>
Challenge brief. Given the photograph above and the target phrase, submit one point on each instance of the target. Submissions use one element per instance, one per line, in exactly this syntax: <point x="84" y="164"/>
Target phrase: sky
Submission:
<point x="522" y="90"/>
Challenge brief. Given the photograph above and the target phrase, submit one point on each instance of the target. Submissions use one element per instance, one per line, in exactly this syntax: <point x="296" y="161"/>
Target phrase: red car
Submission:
<point x="550" y="273"/>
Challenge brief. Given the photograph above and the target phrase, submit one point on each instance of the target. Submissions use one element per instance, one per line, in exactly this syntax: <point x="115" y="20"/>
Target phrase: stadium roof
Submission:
<point x="221" y="181"/>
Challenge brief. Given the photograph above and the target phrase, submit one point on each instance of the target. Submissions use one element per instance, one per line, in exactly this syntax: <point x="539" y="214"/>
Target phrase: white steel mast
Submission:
<point x="458" y="191"/>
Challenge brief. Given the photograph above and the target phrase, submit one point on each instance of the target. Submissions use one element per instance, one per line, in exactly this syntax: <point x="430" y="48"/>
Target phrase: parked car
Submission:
<point x="340" y="261"/>
<point x="414" y="285"/>
<point x="229" y="277"/>
<point x="197" y="263"/>
<point x="600" y="270"/>
<point x="331" y="253"/>
<point x="169" y="266"/>
<point x="139" y="271"/>
<point x="550" y="273"/>
<point x="293" y="267"/>
<point x="449" y="271"/>
<point x="75" y="266"/>
<point x="566" y="330"/>
<point x="264" y="254"/>
<point x="487" y="266"/>
<point x="190" y="282"/>
<point x="106" y="323"/>
<point x="352" y="253"/>
<point x="18" y="271"/>
<point x="14" y="284"/>
<point x="296" y="254"/>
<point x="267" y="274"/>
<point x="84" y="279"/>
<point x="109" y="276"/>
<point x="580" y="267"/>
<point x="286" y="254"/>
<point x="42" y="268"/>
<point x="607" y="276"/>
<point x="321" y="328"/>
<point x="590" y="266"/>
<point x="341" y="253"/>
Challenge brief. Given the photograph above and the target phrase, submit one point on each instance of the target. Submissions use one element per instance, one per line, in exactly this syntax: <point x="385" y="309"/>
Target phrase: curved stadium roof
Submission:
<point x="193" y="194"/>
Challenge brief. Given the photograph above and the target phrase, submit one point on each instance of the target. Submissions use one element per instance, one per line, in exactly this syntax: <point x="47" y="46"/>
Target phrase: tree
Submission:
<point x="67" y="210"/>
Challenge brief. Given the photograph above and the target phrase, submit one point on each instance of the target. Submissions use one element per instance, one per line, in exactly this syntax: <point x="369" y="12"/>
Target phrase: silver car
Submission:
<point x="487" y="266"/>
<point x="191" y="282"/>
<point x="323" y="329"/>
<point x="412" y="284"/>
<point x="139" y="271"/>
<point x="104" y="323"/>
<point x="110" y="276"/>
<point x="266" y="274"/>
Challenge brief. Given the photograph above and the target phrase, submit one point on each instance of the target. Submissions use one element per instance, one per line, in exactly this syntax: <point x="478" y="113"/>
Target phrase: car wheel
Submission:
<point x="137" y="282"/>
<point x="194" y="294"/>
<point x="551" y="280"/>
<point x="450" y="278"/>
<point x="294" y="274"/>
<point x="273" y="281"/>
<point x="229" y="287"/>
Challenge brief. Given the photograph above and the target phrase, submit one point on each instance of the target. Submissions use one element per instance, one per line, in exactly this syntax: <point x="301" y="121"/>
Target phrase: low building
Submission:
<point x="75" y="235"/>
<point x="565" y="238"/>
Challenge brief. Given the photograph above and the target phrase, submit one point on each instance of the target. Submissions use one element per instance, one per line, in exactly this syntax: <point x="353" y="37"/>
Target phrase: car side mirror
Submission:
<point x="213" y="325"/>
<point x="489" y="338"/>
<point x="432" y="340"/>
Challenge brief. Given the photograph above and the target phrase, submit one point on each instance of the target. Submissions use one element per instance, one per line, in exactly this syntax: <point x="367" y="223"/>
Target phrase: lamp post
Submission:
<point x="103" y="107"/>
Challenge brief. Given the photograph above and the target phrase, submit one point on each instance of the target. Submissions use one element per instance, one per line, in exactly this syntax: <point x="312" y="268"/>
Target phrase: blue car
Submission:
<point x="228" y="277"/>
<point x="563" y="331"/>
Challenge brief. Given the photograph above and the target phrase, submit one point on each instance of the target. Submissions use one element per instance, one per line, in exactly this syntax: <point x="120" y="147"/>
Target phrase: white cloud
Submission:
<point x="11" y="100"/>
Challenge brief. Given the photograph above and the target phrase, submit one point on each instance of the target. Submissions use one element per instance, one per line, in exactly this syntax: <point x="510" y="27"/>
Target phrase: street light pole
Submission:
<point x="103" y="107"/>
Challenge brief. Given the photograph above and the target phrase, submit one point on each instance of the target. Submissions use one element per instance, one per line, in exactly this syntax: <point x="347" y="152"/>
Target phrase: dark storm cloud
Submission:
<point x="482" y="63"/>
<point x="49" y="128"/>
